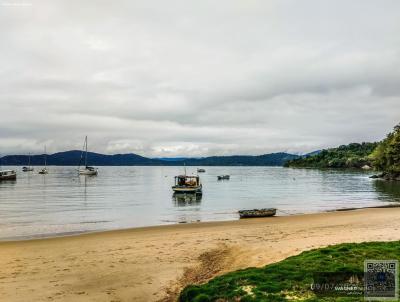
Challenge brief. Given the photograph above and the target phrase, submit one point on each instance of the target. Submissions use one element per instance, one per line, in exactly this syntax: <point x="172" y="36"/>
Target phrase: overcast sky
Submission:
<point x="197" y="78"/>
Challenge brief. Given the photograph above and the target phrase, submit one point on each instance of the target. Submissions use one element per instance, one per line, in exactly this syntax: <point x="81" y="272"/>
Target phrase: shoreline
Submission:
<point x="82" y="233"/>
<point x="154" y="263"/>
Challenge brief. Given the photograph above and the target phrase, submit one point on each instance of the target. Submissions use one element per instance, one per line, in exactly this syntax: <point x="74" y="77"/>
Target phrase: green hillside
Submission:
<point x="347" y="156"/>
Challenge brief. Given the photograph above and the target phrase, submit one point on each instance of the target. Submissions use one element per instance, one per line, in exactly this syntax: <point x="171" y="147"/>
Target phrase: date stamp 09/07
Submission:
<point x="378" y="282"/>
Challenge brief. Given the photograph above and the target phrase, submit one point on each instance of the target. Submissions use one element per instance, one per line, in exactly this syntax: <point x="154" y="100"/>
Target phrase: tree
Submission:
<point x="386" y="157"/>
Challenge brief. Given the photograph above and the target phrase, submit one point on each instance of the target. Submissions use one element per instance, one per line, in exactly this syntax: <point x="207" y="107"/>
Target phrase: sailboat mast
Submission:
<point x="45" y="157"/>
<point x="86" y="151"/>
<point x="29" y="160"/>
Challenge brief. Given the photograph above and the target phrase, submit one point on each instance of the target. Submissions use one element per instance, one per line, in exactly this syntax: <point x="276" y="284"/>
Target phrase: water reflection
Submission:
<point x="184" y="199"/>
<point x="388" y="190"/>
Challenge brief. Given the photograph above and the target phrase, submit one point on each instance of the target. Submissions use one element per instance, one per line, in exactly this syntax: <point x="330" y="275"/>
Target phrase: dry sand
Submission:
<point x="152" y="264"/>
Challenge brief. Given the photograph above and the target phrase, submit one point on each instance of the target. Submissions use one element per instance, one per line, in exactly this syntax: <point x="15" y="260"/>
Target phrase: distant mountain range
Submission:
<point x="72" y="158"/>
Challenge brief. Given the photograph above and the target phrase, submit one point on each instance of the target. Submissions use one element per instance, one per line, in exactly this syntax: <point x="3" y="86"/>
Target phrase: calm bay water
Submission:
<point x="121" y="197"/>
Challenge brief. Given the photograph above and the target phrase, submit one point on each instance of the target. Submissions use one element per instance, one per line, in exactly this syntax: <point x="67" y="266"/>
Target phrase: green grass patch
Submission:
<point x="290" y="279"/>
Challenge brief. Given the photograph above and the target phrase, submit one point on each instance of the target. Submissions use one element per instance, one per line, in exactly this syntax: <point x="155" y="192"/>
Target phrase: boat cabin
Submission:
<point x="187" y="181"/>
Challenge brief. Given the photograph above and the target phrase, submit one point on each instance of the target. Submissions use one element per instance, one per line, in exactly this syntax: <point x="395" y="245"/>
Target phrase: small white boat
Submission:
<point x="86" y="170"/>
<point x="44" y="170"/>
<point x="187" y="184"/>
<point x="223" y="177"/>
<point x="201" y="170"/>
<point x="8" y="175"/>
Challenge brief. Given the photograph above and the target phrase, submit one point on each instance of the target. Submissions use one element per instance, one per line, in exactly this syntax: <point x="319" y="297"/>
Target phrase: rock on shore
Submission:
<point x="387" y="176"/>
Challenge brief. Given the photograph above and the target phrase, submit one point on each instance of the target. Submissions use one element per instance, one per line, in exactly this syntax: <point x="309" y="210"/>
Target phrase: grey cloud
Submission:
<point x="198" y="78"/>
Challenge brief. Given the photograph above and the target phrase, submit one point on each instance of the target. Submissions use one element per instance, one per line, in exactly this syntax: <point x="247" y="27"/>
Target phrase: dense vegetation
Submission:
<point x="291" y="278"/>
<point x="273" y="159"/>
<point x="386" y="157"/>
<point x="347" y="156"/>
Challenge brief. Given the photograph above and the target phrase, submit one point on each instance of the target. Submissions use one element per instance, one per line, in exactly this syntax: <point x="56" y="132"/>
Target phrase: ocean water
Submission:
<point x="63" y="203"/>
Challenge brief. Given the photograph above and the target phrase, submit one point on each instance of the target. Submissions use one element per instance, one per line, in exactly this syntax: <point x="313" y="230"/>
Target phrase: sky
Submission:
<point x="197" y="78"/>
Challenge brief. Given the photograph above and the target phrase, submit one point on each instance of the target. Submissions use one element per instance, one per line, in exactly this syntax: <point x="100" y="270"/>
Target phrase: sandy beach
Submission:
<point x="154" y="263"/>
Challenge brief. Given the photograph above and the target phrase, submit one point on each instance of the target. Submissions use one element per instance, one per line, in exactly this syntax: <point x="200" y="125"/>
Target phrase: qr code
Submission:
<point x="381" y="280"/>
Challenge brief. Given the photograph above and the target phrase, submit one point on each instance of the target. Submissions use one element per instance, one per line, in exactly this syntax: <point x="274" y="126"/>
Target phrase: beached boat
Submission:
<point x="29" y="168"/>
<point x="223" y="177"/>
<point x="8" y="175"/>
<point x="44" y="170"/>
<point x="201" y="170"/>
<point x="257" y="213"/>
<point x="86" y="170"/>
<point x="187" y="184"/>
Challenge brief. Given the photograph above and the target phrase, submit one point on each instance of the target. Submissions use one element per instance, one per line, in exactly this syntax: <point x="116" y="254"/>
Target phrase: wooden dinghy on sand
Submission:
<point x="257" y="213"/>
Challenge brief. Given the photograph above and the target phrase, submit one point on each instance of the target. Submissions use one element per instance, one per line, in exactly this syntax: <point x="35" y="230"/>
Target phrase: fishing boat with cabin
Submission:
<point x="187" y="184"/>
<point x="8" y="175"/>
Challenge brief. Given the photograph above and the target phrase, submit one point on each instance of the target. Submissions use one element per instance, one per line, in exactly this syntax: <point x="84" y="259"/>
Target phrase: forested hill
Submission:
<point x="346" y="156"/>
<point x="273" y="159"/>
<point x="72" y="158"/>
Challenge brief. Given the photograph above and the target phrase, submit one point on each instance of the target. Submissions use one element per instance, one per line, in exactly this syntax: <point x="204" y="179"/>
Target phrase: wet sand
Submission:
<point x="154" y="263"/>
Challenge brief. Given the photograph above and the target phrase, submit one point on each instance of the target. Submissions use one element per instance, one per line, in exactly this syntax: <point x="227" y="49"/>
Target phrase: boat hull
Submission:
<point x="257" y="213"/>
<point x="193" y="190"/>
<point x="8" y="177"/>
<point x="88" y="172"/>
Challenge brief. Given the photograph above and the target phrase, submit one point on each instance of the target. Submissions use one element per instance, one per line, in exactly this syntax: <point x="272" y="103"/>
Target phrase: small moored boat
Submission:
<point x="187" y="184"/>
<point x="44" y="170"/>
<point x="201" y="170"/>
<point x="86" y="170"/>
<point x="257" y="213"/>
<point x="222" y="177"/>
<point x="29" y="168"/>
<point x="8" y="175"/>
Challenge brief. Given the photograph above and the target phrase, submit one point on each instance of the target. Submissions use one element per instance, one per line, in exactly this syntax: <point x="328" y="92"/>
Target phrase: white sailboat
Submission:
<point x="86" y="170"/>
<point x="44" y="170"/>
<point x="29" y="168"/>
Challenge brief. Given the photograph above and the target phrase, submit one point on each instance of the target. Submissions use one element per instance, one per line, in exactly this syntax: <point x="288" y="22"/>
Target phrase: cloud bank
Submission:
<point x="197" y="78"/>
